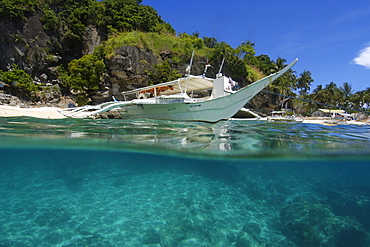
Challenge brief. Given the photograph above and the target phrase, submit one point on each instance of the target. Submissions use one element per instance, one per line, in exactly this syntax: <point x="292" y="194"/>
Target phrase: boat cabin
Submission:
<point x="181" y="88"/>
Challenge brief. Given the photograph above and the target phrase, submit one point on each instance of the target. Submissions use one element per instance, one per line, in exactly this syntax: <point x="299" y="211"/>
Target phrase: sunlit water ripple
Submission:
<point x="84" y="182"/>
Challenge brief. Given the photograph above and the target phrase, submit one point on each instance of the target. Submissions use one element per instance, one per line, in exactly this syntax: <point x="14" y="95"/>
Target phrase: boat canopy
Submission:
<point x="181" y="85"/>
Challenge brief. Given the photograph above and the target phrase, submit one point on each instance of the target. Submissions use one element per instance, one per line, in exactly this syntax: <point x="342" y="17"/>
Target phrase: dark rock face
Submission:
<point x="25" y="43"/>
<point x="315" y="224"/>
<point x="128" y="68"/>
<point x="38" y="52"/>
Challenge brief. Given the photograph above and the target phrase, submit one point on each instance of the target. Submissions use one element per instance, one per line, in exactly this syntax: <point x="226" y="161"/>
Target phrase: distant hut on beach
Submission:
<point x="336" y="114"/>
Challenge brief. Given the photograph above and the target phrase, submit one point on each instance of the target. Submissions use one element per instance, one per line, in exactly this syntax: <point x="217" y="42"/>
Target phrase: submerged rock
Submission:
<point x="151" y="236"/>
<point x="253" y="234"/>
<point x="353" y="201"/>
<point x="315" y="224"/>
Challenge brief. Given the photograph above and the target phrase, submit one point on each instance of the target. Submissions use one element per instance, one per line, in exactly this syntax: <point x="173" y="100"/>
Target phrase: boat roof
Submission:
<point x="181" y="85"/>
<point x="332" y="111"/>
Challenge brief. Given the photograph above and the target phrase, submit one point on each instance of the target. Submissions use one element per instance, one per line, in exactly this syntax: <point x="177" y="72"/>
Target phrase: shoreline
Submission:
<point x="52" y="113"/>
<point x="36" y="112"/>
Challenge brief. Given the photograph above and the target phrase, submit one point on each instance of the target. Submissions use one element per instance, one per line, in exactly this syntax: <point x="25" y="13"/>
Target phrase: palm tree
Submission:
<point x="286" y="83"/>
<point x="317" y="94"/>
<point x="346" y="89"/>
<point x="332" y="94"/>
<point x="367" y="98"/>
<point x="246" y="50"/>
<point x="361" y="99"/>
<point x="304" y="82"/>
<point x="278" y="65"/>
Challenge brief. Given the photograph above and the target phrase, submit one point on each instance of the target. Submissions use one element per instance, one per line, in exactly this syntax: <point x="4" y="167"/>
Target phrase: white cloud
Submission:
<point x="363" y="58"/>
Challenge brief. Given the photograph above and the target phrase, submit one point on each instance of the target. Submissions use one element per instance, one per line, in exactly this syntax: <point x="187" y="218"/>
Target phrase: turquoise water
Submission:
<point x="74" y="182"/>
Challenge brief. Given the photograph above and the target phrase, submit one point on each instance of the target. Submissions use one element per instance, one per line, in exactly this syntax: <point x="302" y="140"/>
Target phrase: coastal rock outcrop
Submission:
<point x="26" y="44"/>
<point x="128" y="67"/>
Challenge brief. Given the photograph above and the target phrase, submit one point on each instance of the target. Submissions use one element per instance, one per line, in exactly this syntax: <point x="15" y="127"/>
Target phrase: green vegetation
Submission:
<point x="158" y="43"/>
<point x="17" y="9"/>
<point x="71" y="17"/>
<point x="333" y="95"/>
<point x="111" y="16"/>
<point x="129" y="15"/>
<point x="82" y="76"/>
<point x="163" y="73"/>
<point x="19" y="79"/>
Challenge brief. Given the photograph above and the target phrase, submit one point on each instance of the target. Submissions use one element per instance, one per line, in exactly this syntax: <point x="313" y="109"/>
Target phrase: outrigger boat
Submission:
<point x="281" y="117"/>
<point x="171" y="101"/>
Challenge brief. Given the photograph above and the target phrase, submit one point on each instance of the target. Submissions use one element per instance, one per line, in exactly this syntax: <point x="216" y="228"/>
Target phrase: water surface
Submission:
<point x="74" y="182"/>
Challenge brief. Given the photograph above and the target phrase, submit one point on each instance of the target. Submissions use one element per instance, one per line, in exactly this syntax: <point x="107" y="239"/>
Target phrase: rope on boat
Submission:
<point x="318" y="103"/>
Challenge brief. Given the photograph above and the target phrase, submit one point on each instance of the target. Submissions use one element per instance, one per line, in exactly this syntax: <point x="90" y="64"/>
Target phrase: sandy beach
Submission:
<point x="37" y="112"/>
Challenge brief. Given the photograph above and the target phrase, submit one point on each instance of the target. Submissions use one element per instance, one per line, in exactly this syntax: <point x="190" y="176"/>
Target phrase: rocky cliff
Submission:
<point x="39" y="52"/>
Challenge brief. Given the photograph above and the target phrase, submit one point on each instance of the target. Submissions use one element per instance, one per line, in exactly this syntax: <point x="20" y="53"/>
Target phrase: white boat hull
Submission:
<point x="213" y="110"/>
<point x="208" y="111"/>
<point x="222" y="105"/>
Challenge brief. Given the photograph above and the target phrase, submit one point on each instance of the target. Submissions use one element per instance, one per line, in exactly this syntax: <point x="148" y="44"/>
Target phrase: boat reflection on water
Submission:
<point x="188" y="137"/>
<point x="198" y="138"/>
<point x="250" y="139"/>
<point x="233" y="138"/>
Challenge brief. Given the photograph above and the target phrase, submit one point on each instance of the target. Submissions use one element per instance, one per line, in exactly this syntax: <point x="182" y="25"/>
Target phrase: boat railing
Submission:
<point x="169" y="100"/>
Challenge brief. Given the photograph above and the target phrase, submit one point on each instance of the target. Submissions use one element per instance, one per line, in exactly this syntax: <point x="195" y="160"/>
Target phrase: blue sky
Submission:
<point x="330" y="38"/>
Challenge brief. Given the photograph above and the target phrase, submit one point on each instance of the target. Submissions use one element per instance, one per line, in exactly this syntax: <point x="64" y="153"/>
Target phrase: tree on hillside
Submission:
<point x="70" y="18"/>
<point x="246" y="50"/>
<point x="190" y="42"/>
<point x="129" y="15"/>
<point x="17" y="9"/>
<point x="163" y="73"/>
<point x="83" y="75"/>
<point x="19" y="79"/>
<point x="263" y="63"/>
<point x="209" y="42"/>
<point x="221" y="50"/>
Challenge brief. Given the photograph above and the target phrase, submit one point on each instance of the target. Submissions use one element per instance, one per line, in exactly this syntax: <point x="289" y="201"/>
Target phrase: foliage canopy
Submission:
<point x="19" y="78"/>
<point x="83" y="75"/>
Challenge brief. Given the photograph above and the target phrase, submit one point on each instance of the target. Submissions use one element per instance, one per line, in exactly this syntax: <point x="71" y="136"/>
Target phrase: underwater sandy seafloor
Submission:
<point x="97" y="198"/>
